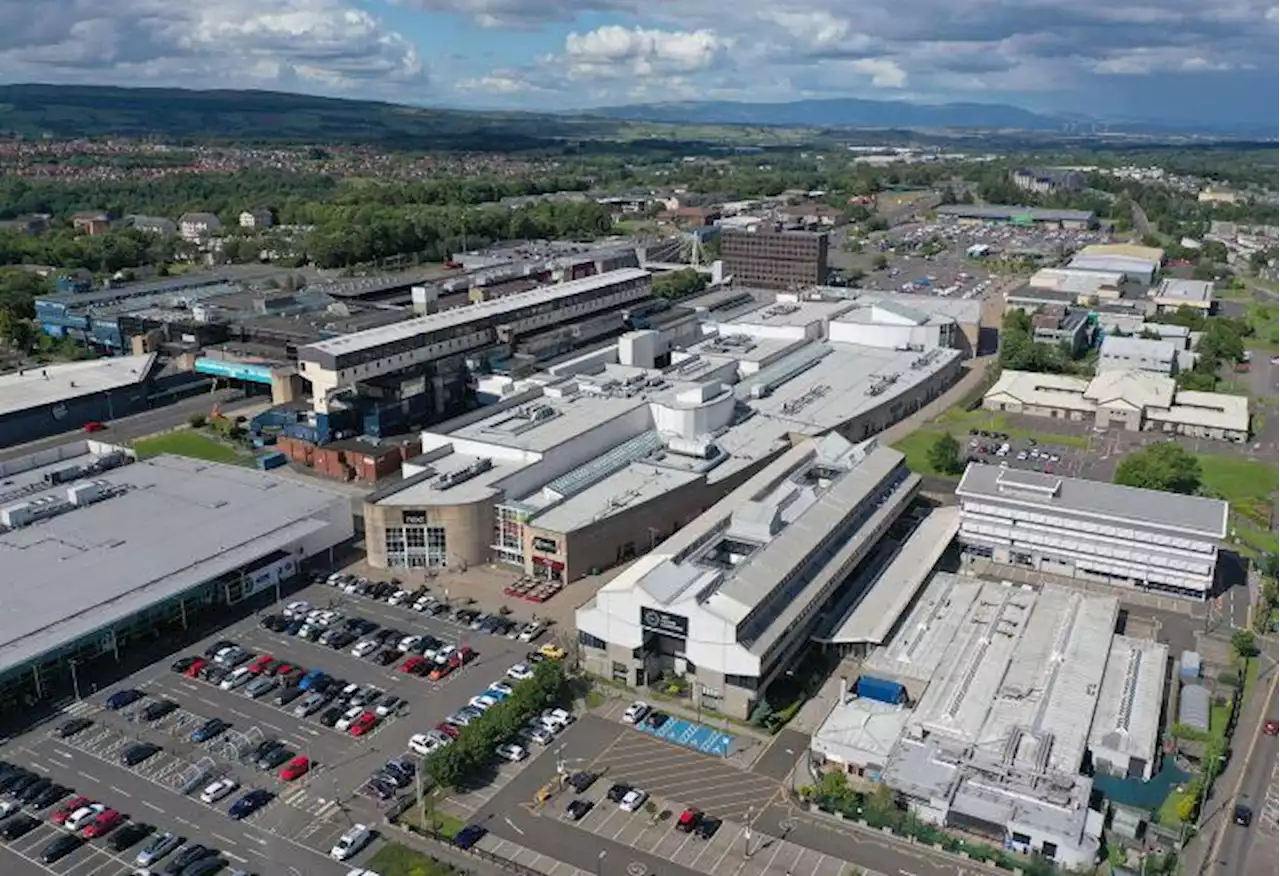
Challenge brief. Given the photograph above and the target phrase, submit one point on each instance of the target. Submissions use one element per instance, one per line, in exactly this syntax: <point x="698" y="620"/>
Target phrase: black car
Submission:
<point x="205" y="867"/>
<point x="469" y="836"/>
<point x="157" y="710"/>
<point x="707" y="827"/>
<point x="342" y="640"/>
<point x="19" y="825"/>
<point x="129" y="835"/>
<point x="387" y="657"/>
<point x="582" y="780"/>
<point x="288" y="695"/>
<point x="122" y="698"/>
<point x="330" y="717"/>
<point x="15" y="778"/>
<point x="136" y="754"/>
<point x="249" y="804"/>
<point x="312" y="633"/>
<point x="187" y="857"/>
<point x="215" y="674"/>
<point x="1242" y="815"/>
<point x="263" y="747"/>
<point x="295" y="627"/>
<point x="217" y="646"/>
<point x="52" y="795"/>
<point x="466" y="615"/>
<point x="655" y="720"/>
<point x="618" y="791"/>
<point x="212" y="728"/>
<point x="275" y="623"/>
<point x="60" y="848"/>
<point x="21" y="783"/>
<point x="182" y="664"/>
<point x="32" y="792"/>
<point x="386" y="634"/>
<point x="578" y="809"/>
<point x="274" y="758"/>
<point x="379" y="789"/>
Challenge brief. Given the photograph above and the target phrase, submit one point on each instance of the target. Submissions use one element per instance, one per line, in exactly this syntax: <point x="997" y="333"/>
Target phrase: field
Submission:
<point x="1249" y="487"/>
<point x="958" y="422"/>
<point x="394" y="859"/>
<point x="915" y="447"/>
<point x="185" y="442"/>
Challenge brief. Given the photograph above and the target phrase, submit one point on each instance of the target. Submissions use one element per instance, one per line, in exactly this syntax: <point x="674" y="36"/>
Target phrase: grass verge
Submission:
<point x="394" y="859"/>
<point x="994" y="421"/>
<point x="185" y="442"/>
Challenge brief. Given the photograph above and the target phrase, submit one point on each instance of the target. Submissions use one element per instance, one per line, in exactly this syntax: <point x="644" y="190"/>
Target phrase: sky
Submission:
<point x="1173" y="60"/>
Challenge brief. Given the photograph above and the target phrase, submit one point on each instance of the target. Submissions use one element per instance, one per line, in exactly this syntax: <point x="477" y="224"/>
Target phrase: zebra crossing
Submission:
<point x="80" y="709"/>
<point x="313" y="804"/>
<point x="1270" y="817"/>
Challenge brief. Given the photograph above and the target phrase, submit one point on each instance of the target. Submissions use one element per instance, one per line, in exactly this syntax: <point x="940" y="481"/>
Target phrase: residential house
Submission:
<point x="158" y="225"/>
<point x="197" y="226"/>
<point x="91" y="222"/>
<point x="256" y="219"/>
<point x="1059" y="325"/>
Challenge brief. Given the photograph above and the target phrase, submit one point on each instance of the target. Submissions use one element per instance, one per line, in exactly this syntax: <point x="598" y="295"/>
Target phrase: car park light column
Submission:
<point x="600" y="860"/>
<point x="75" y="681"/>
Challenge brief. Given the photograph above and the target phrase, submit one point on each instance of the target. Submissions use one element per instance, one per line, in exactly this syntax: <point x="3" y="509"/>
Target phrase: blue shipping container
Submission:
<point x="272" y="460"/>
<point x="880" y="689"/>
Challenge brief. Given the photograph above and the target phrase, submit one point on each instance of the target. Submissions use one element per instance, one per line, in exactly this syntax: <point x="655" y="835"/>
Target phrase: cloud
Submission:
<point x="317" y="45"/>
<point x="499" y="83"/>
<point x="612" y="51"/>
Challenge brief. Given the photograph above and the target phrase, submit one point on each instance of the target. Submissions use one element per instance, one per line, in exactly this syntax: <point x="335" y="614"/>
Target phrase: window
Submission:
<point x="621" y="673"/>
<point x="589" y="641"/>
<point x="746" y="682"/>
<point x="508" y="537"/>
<point x="417" y="547"/>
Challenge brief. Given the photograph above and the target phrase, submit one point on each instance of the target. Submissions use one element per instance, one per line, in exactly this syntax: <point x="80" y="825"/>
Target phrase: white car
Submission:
<point x="443" y="655"/>
<point x="635" y="712"/>
<point x="501" y="687"/>
<point x="84" y="815"/>
<point x="539" y="733"/>
<point x="218" y="790"/>
<point x="634" y="800"/>
<point x="423" y="744"/>
<point x="423" y="603"/>
<point x="365" y="648"/>
<point x="351" y="842"/>
<point x="558" y="718"/>
<point x="328" y="618"/>
<point x="520" y="672"/>
<point x="483" y="703"/>
<point x="398" y="598"/>
<point x="240" y="677"/>
<point x="532" y="630"/>
<point x="511" y="752"/>
<point x="8" y="806"/>
<point x="358" y="872"/>
<point x="407" y="643"/>
<point x="297" y="609"/>
<point x="344" y="723"/>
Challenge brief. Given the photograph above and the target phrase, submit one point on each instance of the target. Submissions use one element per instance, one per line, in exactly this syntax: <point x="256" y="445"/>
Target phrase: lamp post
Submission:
<point x="75" y="681"/>
<point x="600" y="860"/>
<point x="746" y="834"/>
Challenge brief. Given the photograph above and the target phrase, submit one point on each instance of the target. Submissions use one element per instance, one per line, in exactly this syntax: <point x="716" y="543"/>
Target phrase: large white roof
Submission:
<point x="50" y="384"/>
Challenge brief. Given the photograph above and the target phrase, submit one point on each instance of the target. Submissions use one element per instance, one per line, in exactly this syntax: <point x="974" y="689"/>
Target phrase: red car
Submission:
<point x="448" y="729"/>
<point x="283" y="669"/>
<point x="193" y="671"/>
<point x="439" y="672"/>
<point x="462" y="656"/>
<point x="104" y="824"/>
<point x="94" y="427"/>
<point x="295" y="769"/>
<point x="363" y="724"/>
<point x="689" y="820"/>
<point x="413" y="665"/>
<point x="66" y="809"/>
<point x="259" y="663"/>
<point x="1271" y="728"/>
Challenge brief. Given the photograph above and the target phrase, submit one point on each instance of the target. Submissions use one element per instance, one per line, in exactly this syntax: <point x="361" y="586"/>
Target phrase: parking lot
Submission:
<point x="294" y="831"/>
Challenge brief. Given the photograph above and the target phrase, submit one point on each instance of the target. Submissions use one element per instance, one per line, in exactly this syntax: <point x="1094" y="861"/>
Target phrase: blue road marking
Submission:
<point x="699" y="737"/>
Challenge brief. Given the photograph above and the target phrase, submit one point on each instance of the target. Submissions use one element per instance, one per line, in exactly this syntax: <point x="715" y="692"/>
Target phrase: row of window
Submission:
<point x="416" y="547"/>
<point x="1058" y="522"/>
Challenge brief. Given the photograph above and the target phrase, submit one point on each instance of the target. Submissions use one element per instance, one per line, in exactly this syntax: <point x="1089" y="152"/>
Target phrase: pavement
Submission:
<point x="293" y="833"/>
<point x="141" y="425"/>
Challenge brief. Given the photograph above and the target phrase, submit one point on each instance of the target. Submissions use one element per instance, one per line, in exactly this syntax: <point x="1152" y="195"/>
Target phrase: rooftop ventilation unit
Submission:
<point x="882" y="383"/>
<point x="453" y="478"/>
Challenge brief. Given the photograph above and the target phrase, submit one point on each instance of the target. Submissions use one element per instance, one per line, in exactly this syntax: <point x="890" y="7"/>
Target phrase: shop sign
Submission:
<point x="664" y="622"/>
<point x="412" y="518"/>
<point x="546" y="545"/>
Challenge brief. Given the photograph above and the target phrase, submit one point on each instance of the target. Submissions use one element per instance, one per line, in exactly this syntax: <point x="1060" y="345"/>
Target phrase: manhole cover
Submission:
<point x="635" y="868"/>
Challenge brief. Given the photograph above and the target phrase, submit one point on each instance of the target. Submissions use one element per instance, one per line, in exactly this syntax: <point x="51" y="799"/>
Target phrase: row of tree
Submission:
<point x="474" y="749"/>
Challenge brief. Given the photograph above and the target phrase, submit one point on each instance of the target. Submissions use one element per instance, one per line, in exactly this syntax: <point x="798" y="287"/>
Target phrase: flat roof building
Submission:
<point x="99" y="551"/>
<point x="1137" y="263"/>
<point x="1173" y="293"/>
<point x="1129" y="537"/>
<point x="1138" y="354"/>
<point x="775" y="259"/>
<point x="731" y="600"/>
<point x="1017" y="215"/>
<point x="1125" y="736"/>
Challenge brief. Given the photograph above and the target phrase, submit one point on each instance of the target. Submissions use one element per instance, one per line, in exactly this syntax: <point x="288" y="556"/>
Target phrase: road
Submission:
<point x="141" y="425"/>
<point x="1257" y="776"/>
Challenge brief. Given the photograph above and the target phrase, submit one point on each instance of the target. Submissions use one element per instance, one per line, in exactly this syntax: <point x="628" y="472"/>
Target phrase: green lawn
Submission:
<point x="960" y="421"/>
<point x="916" y="449"/>
<point x="394" y="859"/>
<point x="1168" y="814"/>
<point x="186" y="442"/>
<point x="1249" y="485"/>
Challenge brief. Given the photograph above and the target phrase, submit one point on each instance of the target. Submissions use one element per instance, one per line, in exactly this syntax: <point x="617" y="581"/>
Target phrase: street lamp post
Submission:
<point x="746" y="834"/>
<point x="600" y="861"/>
<point x="75" y="681"/>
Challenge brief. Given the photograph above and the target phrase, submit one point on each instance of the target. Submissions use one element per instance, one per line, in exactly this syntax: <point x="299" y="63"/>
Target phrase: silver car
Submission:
<point x="158" y="848"/>
<point x="260" y="687"/>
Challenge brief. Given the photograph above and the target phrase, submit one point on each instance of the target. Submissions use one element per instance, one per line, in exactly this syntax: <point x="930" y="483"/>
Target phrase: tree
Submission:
<point x="679" y="284"/>
<point x="1165" y="466"/>
<point x="1244" y="644"/>
<point x="880" y="262"/>
<point x="944" y="454"/>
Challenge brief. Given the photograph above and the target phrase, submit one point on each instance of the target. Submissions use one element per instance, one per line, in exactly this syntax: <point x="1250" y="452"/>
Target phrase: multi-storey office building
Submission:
<point x="732" y="599"/>
<point x="775" y="259"/>
<point x="1097" y="531"/>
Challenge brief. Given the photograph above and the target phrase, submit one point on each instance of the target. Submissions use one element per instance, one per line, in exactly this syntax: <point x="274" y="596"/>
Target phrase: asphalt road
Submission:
<point x="141" y="425"/>
<point x="293" y="833"/>
<point x="781" y="838"/>
<point x="1259" y="773"/>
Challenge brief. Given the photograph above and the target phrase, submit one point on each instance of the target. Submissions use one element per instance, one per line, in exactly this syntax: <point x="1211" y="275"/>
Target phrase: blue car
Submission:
<point x="120" y="699"/>
<point x="309" y="680"/>
<point x="469" y="836"/>
<point x="249" y="804"/>
<point x="211" y="728"/>
<point x="498" y="695"/>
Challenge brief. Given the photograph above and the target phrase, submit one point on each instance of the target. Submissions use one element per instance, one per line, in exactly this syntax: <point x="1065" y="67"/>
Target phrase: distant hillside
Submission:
<point x="177" y="114"/>
<point x="839" y="112"/>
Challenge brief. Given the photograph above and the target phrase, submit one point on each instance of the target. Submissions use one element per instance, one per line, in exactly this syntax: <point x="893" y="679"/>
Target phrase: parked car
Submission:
<point x="158" y="709"/>
<point x="82" y="817"/>
<point x="707" y="827"/>
<point x="107" y="821"/>
<point x="210" y="729"/>
<point x="274" y="758"/>
<point x="363" y="724"/>
<point x="351" y="842"/>
<point x="295" y="769"/>
<point x="219" y="789"/>
<point x="633" y="800"/>
<point x="689" y="820"/>
<point x="60" y="848"/>
<point x="129" y="835"/>
<point x="122" y="698"/>
<point x="249" y="804"/>
<point x="70" y="728"/>
<point x="69" y="808"/>
<point x="136" y="754"/>
<point x="582" y="780"/>
<point x="635" y="712"/>
<point x="520" y="672"/>
<point x="469" y="836"/>
<point x="160" y="846"/>
<point x="578" y="809"/>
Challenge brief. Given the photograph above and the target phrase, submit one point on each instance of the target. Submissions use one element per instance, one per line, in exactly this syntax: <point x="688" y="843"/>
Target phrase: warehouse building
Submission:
<point x="604" y="456"/>
<point x="51" y="399"/>
<point x="1138" y="354"/>
<point x="1173" y="293"/>
<point x="1014" y="215"/>
<point x="1136" y="263"/>
<point x="730" y="601"/>
<point x="1095" y="531"/>
<point x="1011" y="691"/>
<point x="1129" y="400"/>
<point x="101" y="553"/>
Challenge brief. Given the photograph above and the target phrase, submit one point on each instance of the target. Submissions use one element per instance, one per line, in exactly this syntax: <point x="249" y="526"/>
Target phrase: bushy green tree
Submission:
<point x="1165" y="466"/>
<point x="944" y="454"/>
